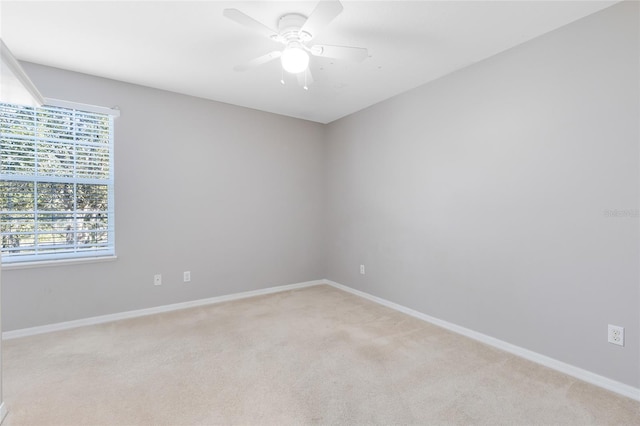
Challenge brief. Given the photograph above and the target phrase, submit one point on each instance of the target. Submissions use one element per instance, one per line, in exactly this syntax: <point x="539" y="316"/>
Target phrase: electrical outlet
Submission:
<point x="616" y="335"/>
<point x="362" y="269"/>
<point x="157" y="279"/>
<point x="186" y="276"/>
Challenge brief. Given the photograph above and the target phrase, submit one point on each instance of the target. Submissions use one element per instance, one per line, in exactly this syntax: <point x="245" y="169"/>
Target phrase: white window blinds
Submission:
<point x="56" y="183"/>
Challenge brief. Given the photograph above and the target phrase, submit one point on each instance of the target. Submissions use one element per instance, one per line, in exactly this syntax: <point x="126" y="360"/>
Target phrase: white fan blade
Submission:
<point x="248" y="21"/>
<point x="356" y="54"/>
<point x="258" y="61"/>
<point x="305" y="79"/>
<point x="324" y="13"/>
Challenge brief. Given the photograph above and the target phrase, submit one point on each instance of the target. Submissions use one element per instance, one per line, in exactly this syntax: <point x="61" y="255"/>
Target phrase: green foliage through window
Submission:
<point x="56" y="183"/>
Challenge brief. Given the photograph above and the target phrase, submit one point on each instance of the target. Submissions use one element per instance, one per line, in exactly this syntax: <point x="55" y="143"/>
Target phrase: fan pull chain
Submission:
<point x="305" y="87"/>
<point x="282" y="76"/>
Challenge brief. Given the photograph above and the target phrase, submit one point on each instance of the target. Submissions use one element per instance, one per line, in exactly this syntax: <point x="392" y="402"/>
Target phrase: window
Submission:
<point x="56" y="183"/>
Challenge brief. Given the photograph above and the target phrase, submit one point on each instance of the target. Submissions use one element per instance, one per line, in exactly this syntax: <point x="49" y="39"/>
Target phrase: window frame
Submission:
<point x="76" y="255"/>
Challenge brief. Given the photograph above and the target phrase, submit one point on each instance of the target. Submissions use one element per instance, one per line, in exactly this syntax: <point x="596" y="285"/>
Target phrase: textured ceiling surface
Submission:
<point x="191" y="48"/>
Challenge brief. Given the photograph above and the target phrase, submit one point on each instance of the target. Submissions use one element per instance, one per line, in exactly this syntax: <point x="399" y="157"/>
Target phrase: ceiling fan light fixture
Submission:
<point x="294" y="60"/>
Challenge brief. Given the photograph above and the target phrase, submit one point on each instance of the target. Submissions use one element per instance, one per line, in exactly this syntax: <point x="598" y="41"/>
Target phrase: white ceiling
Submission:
<point x="190" y="48"/>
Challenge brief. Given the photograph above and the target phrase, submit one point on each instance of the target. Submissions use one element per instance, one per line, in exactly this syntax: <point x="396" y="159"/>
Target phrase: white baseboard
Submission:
<point x="3" y="411"/>
<point x="578" y="373"/>
<point x="24" y="332"/>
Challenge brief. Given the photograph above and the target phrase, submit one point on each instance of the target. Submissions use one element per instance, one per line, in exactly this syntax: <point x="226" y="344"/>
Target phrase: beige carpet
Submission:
<point x="311" y="356"/>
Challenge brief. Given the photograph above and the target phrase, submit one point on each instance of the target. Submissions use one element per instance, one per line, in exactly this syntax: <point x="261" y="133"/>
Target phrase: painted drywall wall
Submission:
<point x="233" y="195"/>
<point x="504" y="197"/>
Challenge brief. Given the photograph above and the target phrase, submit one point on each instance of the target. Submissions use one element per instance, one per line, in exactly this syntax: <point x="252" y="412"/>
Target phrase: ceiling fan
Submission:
<point x="295" y="32"/>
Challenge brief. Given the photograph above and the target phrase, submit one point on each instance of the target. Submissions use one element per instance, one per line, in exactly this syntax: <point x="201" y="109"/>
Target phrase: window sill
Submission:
<point x="60" y="262"/>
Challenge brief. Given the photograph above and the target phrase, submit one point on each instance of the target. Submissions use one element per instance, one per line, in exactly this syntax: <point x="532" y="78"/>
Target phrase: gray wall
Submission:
<point x="480" y="198"/>
<point x="234" y="195"/>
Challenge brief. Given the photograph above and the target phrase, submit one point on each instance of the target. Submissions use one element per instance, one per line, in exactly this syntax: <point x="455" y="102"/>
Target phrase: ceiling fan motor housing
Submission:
<point x="289" y="26"/>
